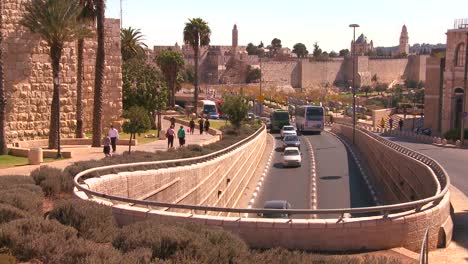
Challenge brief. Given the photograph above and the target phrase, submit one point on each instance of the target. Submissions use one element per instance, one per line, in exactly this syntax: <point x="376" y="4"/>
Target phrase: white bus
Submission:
<point x="310" y="118"/>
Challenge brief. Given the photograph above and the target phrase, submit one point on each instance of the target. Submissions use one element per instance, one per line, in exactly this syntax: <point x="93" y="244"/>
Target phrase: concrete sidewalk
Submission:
<point x="82" y="153"/>
<point x="455" y="162"/>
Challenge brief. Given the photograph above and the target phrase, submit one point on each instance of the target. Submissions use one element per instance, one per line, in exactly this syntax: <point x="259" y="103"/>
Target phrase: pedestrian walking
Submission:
<point x="172" y="122"/>
<point x="390" y="122"/>
<point x="192" y="126"/>
<point x="113" y="134"/>
<point x="200" y="124"/>
<point x="382" y="123"/>
<point x="107" y="142"/>
<point x="400" y="124"/>
<point x="207" y="125"/>
<point x="181" y="136"/>
<point x="170" y="134"/>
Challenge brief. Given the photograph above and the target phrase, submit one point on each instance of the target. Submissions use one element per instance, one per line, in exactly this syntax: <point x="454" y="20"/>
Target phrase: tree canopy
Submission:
<point x="171" y="64"/>
<point x="137" y="122"/>
<point x="236" y="108"/>
<point x="132" y="45"/>
<point x="300" y="50"/>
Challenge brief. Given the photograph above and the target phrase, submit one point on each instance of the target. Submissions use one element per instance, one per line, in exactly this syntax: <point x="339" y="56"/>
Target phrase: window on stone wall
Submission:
<point x="460" y="55"/>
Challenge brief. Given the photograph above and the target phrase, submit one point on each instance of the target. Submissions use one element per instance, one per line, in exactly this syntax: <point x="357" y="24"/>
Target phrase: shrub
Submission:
<point x="454" y="134"/>
<point x="51" y="180"/>
<point x="93" y="221"/>
<point x="23" y="199"/>
<point x="35" y="238"/>
<point x="9" y="213"/>
<point x="9" y="180"/>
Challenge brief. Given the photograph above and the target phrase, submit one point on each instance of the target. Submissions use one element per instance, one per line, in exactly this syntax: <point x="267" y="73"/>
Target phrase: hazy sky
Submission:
<point x="162" y="21"/>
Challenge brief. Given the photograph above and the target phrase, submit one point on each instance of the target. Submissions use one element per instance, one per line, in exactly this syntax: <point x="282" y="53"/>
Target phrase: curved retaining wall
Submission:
<point x="362" y="233"/>
<point x="217" y="182"/>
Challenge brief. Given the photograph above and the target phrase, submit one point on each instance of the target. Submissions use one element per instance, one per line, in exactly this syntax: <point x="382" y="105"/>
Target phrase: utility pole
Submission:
<point x="465" y="83"/>
<point x="121" y="14"/>
<point x="353" y="55"/>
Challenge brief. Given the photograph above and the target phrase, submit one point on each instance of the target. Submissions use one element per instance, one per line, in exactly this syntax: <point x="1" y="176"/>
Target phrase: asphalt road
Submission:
<point x="339" y="183"/>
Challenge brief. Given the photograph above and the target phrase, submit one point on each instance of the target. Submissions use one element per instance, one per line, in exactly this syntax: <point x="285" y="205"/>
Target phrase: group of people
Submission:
<point x="390" y="123"/>
<point x="111" y="140"/>
<point x="204" y="125"/>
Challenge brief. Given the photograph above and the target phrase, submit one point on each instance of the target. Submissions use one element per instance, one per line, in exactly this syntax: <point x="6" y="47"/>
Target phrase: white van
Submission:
<point x="207" y="108"/>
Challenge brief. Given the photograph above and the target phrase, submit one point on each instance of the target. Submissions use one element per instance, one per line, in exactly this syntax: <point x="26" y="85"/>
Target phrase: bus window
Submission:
<point x="314" y="113"/>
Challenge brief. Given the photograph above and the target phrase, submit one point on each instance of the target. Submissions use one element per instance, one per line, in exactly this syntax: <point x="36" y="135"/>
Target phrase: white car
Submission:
<point x="292" y="157"/>
<point x="288" y="130"/>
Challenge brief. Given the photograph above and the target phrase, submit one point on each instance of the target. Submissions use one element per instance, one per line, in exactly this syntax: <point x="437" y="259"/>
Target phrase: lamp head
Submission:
<point x="354" y="25"/>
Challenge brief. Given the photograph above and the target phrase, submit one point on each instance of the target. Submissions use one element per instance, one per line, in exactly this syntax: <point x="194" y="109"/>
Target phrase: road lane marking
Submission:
<point x="313" y="178"/>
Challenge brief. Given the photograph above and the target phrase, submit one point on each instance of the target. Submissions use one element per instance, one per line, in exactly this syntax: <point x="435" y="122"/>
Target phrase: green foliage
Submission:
<point x="23" y="198"/>
<point x="276" y="44"/>
<point x="197" y="33"/>
<point x="317" y="51"/>
<point x="236" y="108"/>
<point x="344" y="52"/>
<point x="300" y="50"/>
<point x="93" y="221"/>
<point x="137" y="122"/>
<point x="188" y="74"/>
<point x="251" y="49"/>
<point x="131" y="44"/>
<point x="51" y="180"/>
<point x="171" y="63"/>
<point x="253" y="75"/>
<point x="333" y="54"/>
<point x="454" y="134"/>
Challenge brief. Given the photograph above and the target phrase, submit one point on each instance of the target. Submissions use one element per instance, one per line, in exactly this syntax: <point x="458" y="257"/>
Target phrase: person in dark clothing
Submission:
<point x="390" y="122"/>
<point x="200" y="124"/>
<point x="207" y="125"/>
<point x="172" y="121"/>
<point x="400" y="124"/>
<point x="192" y="126"/>
<point x="170" y="134"/>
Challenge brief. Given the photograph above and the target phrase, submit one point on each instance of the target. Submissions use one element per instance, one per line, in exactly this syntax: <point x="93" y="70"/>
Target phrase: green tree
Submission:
<point x="253" y="75"/>
<point x="56" y="22"/>
<point x="275" y="46"/>
<point x="344" y="52"/>
<point x="171" y="63"/>
<point x="300" y="50"/>
<point x="367" y="89"/>
<point x="88" y="15"/>
<point x="260" y="45"/>
<point x="99" y="73"/>
<point x="251" y="49"/>
<point x="3" y="142"/>
<point x="132" y="45"/>
<point x="137" y="122"/>
<point x="143" y="86"/>
<point x="317" y="51"/>
<point x="196" y="34"/>
<point x="333" y="54"/>
<point x="236" y="108"/>
<point x="381" y="87"/>
<point x="188" y="74"/>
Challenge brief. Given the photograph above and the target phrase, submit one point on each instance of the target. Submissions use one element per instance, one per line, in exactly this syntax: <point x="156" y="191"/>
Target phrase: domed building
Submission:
<point x="362" y="47"/>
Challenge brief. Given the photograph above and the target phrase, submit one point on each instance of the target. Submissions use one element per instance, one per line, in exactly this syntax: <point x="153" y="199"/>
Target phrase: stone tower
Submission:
<point x="404" y="41"/>
<point x="234" y="37"/>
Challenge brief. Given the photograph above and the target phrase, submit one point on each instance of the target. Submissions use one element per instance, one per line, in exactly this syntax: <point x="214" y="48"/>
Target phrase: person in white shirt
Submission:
<point x="114" y="135"/>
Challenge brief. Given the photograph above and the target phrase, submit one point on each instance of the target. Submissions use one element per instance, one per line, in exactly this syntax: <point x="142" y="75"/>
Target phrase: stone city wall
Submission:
<point x="281" y="73"/>
<point x="388" y="70"/>
<point x="314" y="73"/>
<point x="29" y="83"/>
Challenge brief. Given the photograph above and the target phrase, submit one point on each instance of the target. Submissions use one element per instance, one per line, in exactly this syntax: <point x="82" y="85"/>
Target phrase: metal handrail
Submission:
<point x="383" y="208"/>
<point x="424" y="252"/>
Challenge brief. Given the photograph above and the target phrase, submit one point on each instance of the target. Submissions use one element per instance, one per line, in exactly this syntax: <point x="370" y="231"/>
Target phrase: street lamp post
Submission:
<point x="353" y="55"/>
<point x="414" y="106"/>
<point x="57" y="83"/>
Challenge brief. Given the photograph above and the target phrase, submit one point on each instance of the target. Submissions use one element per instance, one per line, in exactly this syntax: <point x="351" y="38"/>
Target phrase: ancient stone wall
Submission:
<point x="388" y="70"/>
<point x="29" y="82"/>
<point x="277" y="73"/>
<point x="314" y="73"/>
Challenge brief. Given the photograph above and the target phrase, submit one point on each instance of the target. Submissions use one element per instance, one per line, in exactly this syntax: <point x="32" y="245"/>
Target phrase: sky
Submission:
<point x="292" y="21"/>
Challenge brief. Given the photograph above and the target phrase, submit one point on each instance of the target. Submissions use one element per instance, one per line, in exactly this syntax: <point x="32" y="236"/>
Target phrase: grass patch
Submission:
<point x="216" y="124"/>
<point x="141" y="138"/>
<point x="8" y="161"/>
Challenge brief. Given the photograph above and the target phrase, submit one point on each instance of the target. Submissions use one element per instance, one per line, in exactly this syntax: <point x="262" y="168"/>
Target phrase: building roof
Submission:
<point x="361" y="39"/>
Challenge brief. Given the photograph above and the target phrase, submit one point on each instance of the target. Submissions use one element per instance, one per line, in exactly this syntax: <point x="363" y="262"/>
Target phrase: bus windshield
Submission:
<point x="209" y="109"/>
<point x="281" y="115"/>
<point x="314" y="114"/>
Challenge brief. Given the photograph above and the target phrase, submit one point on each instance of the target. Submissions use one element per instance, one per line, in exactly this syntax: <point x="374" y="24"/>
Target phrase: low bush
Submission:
<point x="19" y="182"/>
<point x="51" y="180"/>
<point x="454" y="134"/>
<point x="93" y="221"/>
<point x="9" y="213"/>
<point x="23" y="199"/>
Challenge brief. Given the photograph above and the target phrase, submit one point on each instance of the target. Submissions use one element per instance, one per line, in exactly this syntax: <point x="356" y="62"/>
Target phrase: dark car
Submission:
<point x="291" y="141"/>
<point x="276" y="204"/>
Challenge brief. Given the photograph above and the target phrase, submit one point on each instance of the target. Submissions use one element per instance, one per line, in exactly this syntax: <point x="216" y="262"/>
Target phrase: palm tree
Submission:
<point x="196" y="34"/>
<point x="170" y="62"/>
<point x="132" y="43"/>
<point x="56" y="21"/>
<point x="87" y="15"/>
<point x="99" y="73"/>
<point x="3" y="145"/>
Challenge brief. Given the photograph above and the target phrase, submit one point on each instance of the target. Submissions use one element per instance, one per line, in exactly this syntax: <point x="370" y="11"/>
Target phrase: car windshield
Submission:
<point x="315" y="114"/>
<point x="291" y="138"/>
<point x="291" y="152"/>
<point x="288" y="128"/>
<point x="209" y="108"/>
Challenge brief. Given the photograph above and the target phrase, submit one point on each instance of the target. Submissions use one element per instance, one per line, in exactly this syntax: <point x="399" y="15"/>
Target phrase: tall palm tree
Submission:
<point x="170" y="62"/>
<point x="56" y="22"/>
<point x="3" y="145"/>
<point x="87" y="15"/>
<point x="132" y="45"/>
<point x="99" y="73"/>
<point x="196" y="34"/>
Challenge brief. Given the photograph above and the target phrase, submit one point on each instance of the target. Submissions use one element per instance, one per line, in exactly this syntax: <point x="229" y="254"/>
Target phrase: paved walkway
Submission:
<point x="81" y="153"/>
<point x="455" y="162"/>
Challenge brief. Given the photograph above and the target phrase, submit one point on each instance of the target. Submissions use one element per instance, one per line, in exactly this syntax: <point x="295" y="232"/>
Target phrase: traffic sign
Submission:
<point x="260" y="98"/>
